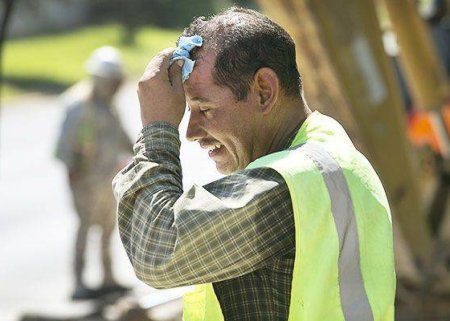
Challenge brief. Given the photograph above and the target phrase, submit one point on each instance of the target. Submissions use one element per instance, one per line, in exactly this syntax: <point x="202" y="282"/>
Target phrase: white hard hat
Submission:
<point x="105" y="62"/>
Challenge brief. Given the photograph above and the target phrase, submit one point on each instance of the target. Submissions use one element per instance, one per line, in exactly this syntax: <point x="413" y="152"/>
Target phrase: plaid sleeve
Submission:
<point x="210" y="233"/>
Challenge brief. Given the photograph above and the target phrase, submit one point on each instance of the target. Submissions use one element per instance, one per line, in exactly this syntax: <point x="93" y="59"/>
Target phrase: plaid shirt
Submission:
<point x="237" y="232"/>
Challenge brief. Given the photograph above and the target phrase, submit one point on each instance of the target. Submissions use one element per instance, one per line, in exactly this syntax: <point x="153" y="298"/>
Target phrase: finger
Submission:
<point x="165" y="55"/>
<point x="159" y="65"/>
<point x="175" y="74"/>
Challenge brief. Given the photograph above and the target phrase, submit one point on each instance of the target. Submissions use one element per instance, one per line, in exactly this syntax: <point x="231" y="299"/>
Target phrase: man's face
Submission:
<point x="227" y="128"/>
<point x="106" y="87"/>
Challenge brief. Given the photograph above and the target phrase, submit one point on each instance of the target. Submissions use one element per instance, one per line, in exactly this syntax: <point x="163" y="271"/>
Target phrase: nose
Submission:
<point x="194" y="130"/>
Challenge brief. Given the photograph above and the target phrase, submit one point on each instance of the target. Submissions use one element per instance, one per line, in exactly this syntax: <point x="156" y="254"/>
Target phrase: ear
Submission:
<point x="267" y="87"/>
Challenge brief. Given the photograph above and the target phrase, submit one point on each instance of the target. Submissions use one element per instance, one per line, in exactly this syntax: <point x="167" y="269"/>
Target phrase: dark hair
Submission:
<point x="244" y="41"/>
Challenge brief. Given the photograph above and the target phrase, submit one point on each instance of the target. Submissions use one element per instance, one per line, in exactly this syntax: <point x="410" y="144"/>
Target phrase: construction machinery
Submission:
<point x="347" y="74"/>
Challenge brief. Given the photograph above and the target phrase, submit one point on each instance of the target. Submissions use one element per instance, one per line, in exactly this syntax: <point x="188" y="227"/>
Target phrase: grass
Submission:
<point x="51" y="63"/>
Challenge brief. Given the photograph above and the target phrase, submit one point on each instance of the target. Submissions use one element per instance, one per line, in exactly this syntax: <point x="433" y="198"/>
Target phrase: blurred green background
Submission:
<point x="44" y="35"/>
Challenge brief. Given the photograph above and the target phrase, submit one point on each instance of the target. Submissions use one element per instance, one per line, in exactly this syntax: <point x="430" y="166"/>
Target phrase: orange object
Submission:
<point x="421" y="131"/>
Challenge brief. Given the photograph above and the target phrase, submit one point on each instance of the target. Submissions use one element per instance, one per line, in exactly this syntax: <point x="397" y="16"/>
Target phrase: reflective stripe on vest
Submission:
<point x="350" y="279"/>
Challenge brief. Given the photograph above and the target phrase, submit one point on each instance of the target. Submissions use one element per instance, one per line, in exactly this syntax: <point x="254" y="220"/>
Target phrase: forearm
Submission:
<point x="146" y="191"/>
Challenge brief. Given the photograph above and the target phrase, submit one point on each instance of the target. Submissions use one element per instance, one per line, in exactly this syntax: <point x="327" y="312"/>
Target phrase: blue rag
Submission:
<point x="185" y="45"/>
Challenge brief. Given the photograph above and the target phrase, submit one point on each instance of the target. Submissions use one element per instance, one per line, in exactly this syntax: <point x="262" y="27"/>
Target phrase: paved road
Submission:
<point x="37" y="223"/>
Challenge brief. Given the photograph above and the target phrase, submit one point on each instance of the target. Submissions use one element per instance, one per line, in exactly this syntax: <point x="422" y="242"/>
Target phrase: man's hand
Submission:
<point x="160" y="90"/>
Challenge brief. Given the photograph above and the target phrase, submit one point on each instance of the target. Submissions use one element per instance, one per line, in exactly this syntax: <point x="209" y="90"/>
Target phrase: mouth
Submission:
<point x="213" y="149"/>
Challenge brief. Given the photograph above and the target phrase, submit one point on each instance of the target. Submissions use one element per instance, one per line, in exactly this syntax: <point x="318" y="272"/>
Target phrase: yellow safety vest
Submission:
<point x="344" y="261"/>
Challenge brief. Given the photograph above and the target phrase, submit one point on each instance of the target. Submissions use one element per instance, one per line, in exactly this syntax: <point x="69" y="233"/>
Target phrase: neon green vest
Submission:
<point x="344" y="262"/>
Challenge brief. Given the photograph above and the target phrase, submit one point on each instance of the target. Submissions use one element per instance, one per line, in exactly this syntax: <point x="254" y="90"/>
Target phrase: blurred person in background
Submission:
<point x="93" y="145"/>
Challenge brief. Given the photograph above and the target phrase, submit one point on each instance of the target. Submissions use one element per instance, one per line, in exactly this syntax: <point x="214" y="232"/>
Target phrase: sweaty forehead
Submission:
<point x="201" y="75"/>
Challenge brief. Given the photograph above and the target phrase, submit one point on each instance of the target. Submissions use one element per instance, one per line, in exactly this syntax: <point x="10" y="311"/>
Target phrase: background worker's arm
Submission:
<point x="68" y="146"/>
<point x="205" y="234"/>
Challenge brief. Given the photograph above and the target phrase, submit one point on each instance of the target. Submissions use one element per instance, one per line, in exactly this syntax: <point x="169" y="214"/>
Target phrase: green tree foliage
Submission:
<point x="164" y="13"/>
<point x="132" y="14"/>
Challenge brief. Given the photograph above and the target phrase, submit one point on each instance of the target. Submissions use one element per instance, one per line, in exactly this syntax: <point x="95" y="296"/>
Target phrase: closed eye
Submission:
<point x="200" y="109"/>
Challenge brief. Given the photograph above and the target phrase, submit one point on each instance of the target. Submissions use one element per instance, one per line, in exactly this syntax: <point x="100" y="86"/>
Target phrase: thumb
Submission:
<point x="175" y="74"/>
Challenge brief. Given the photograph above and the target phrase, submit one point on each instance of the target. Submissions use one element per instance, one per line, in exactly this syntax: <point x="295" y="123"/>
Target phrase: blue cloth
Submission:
<point x="185" y="45"/>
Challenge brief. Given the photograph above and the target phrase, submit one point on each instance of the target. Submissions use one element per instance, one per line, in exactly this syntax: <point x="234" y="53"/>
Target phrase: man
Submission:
<point x="92" y="144"/>
<point x="300" y="229"/>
